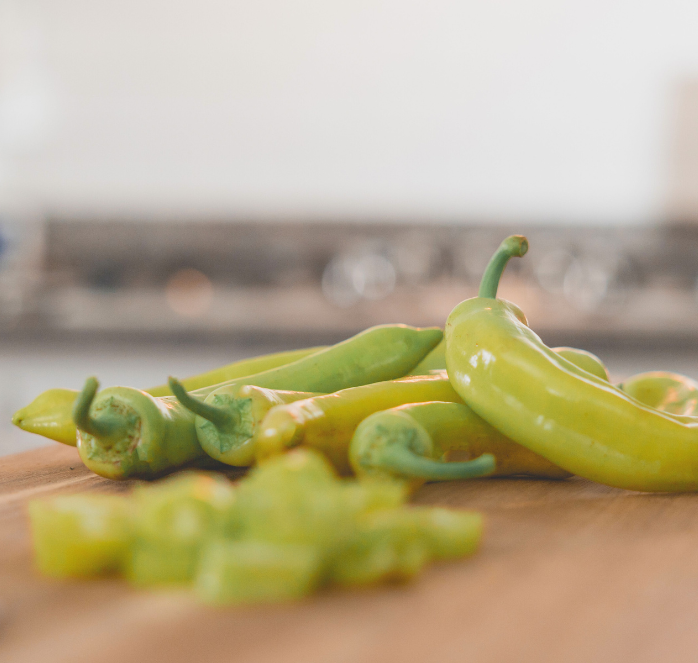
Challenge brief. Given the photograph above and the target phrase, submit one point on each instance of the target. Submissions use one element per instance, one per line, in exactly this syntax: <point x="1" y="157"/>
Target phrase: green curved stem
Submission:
<point x="218" y="416"/>
<point x="410" y="465"/>
<point x="104" y="426"/>
<point x="512" y="246"/>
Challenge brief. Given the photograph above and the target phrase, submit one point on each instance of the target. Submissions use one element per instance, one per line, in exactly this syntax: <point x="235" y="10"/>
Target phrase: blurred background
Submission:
<point x="183" y="183"/>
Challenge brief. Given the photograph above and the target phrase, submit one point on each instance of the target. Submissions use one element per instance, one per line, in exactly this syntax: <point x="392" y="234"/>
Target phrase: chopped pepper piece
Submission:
<point x="173" y="520"/>
<point x="80" y="535"/>
<point x="233" y="572"/>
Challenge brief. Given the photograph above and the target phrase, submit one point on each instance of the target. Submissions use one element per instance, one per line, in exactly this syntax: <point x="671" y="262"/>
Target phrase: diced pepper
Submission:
<point x="80" y="535"/>
<point x="256" y="571"/>
<point x="294" y="498"/>
<point x="173" y="520"/>
<point x="385" y="547"/>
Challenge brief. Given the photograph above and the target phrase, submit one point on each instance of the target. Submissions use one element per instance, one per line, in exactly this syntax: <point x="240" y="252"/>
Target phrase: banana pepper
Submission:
<point x="578" y="421"/>
<point x="50" y="414"/>
<point x="327" y="422"/>
<point x="222" y="422"/>
<point x="411" y="442"/>
<point x="124" y="432"/>
<point x="669" y="392"/>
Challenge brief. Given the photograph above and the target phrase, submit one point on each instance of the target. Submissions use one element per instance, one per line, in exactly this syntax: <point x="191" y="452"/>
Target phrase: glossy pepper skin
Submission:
<point x="50" y="414"/>
<point x="327" y="423"/>
<point x="377" y="354"/>
<point x="412" y="442"/>
<point x="576" y="420"/>
<point x="585" y="360"/>
<point x="126" y="433"/>
<point x="669" y="392"/>
<point x="436" y="361"/>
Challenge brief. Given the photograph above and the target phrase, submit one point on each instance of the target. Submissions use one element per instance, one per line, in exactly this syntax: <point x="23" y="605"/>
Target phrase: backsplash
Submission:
<point x="330" y="280"/>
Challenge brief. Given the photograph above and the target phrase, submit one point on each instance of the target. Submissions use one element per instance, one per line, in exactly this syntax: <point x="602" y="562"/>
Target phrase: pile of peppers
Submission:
<point x="394" y="405"/>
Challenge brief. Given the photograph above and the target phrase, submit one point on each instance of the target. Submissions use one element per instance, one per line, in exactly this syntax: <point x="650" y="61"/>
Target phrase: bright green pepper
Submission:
<point x="50" y="414"/>
<point x="538" y="399"/>
<point x="412" y="441"/>
<point x="669" y="392"/>
<point x="376" y="355"/>
<point x="125" y="432"/>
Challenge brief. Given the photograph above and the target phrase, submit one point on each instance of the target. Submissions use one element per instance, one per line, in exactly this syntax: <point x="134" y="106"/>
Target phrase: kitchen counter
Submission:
<point x="568" y="571"/>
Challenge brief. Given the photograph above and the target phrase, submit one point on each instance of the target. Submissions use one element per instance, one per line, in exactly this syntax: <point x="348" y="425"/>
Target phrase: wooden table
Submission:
<point x="568" y="571"/>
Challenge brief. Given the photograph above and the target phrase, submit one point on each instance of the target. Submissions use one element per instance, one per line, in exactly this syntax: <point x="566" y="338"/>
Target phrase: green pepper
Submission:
<point x="434" y="361"/>
<point x="663" y="390"/>
<point x="50" y="414"/>
<point x="125" y="432"/>
<point x="239" y="369"/>
<point x="578" y="421"/>
<point x="412" y="441"/>
<point x="359" y="531"/>
<point x="375" y="355"/>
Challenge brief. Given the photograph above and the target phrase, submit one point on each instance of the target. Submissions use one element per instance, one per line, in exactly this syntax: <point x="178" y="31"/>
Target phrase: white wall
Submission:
<point x="443" y="109"/>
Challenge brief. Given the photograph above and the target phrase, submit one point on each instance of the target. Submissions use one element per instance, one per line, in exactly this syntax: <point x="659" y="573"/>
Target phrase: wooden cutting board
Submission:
<point x="568" y="571"/>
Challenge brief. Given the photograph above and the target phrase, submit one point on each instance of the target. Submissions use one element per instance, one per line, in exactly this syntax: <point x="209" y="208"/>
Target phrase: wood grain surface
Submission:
<point x="568" y="571"/>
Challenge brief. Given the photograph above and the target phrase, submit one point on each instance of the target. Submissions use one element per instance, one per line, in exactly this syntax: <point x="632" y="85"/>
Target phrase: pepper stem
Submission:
<point x="218" y="416"/>
<point x="412" y="466"/>
<point x="512" y="246"/>
<point x="105" y="426"/>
